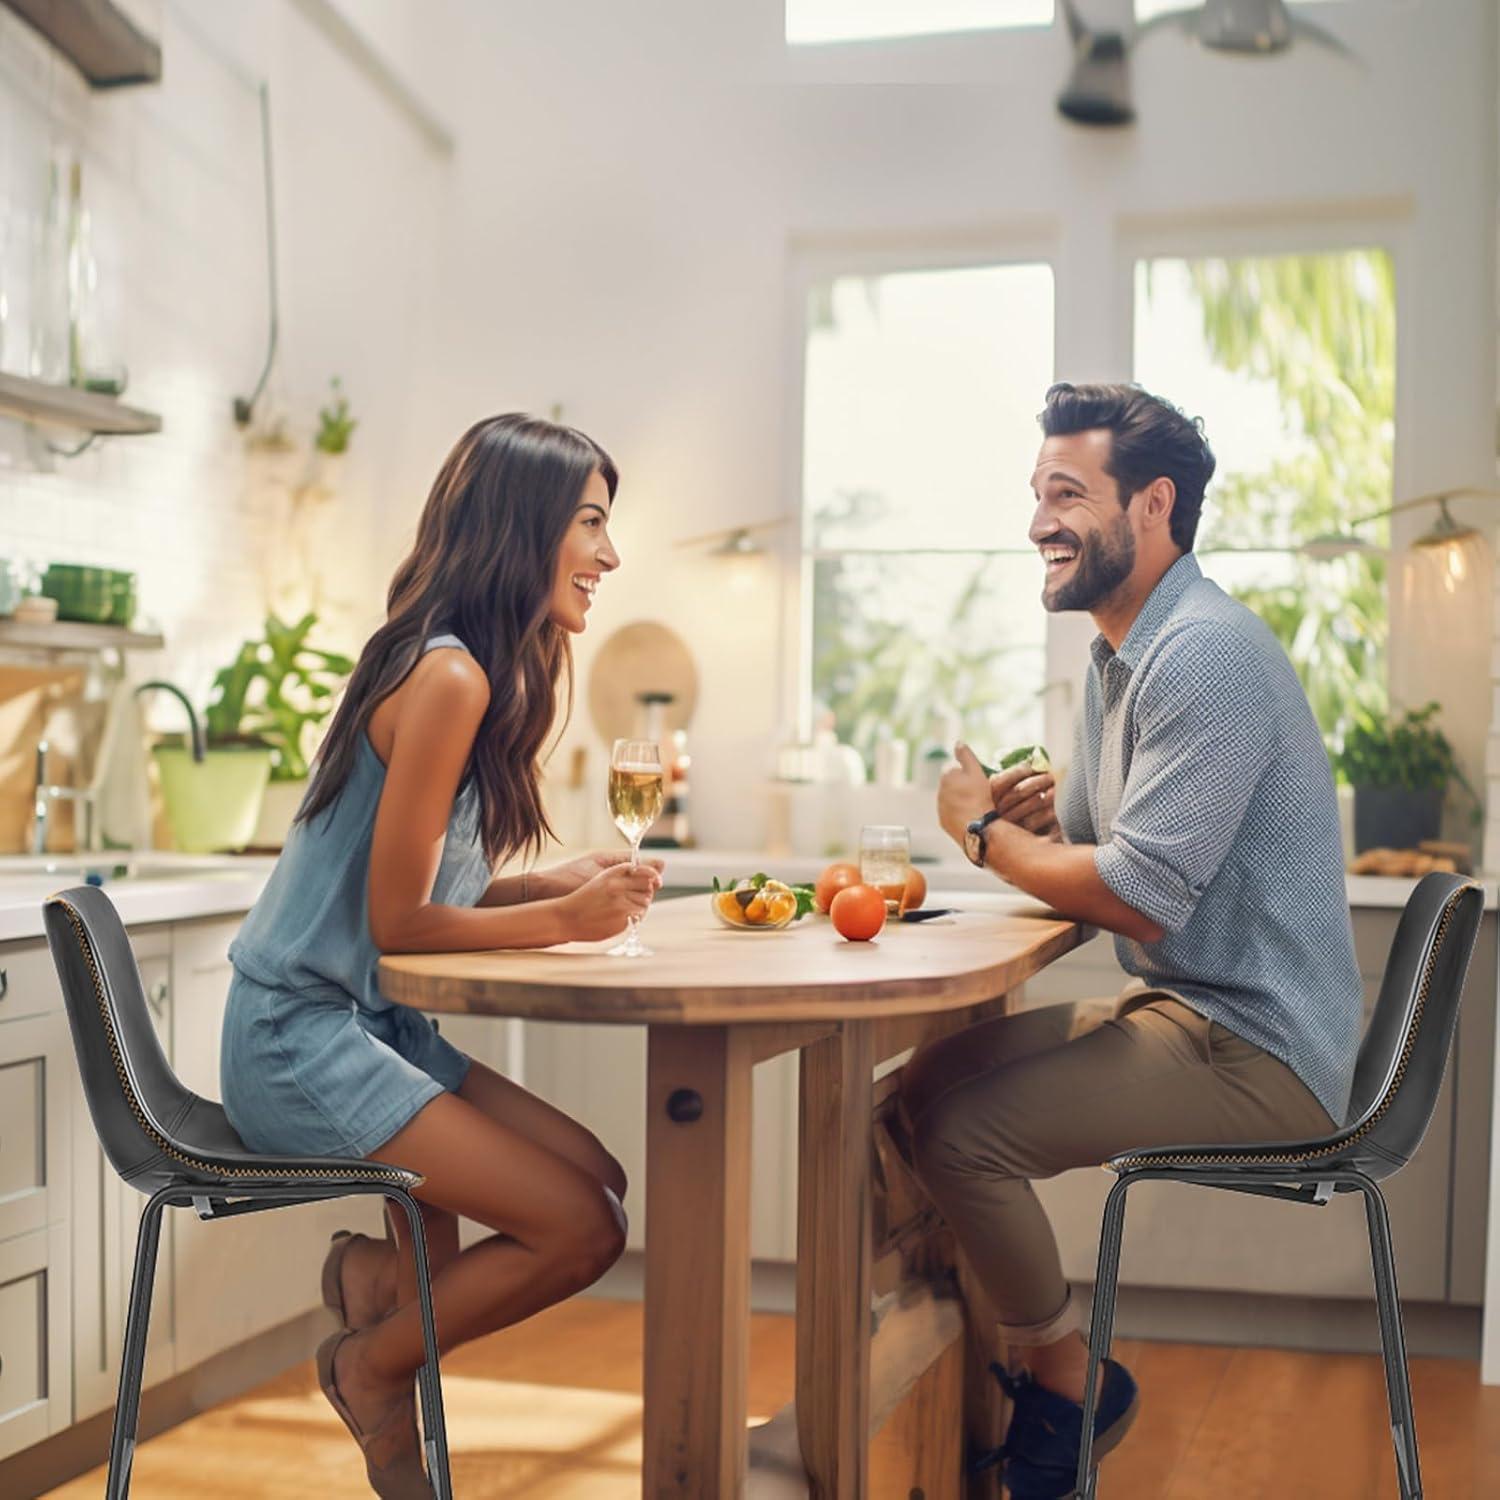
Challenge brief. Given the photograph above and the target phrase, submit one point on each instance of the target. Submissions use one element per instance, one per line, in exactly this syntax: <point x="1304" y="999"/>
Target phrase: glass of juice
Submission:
<point x="884" y="860"/>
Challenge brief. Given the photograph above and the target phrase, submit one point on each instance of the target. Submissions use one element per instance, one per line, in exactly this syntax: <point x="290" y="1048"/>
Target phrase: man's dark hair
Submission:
<point x="1150" y="439"/>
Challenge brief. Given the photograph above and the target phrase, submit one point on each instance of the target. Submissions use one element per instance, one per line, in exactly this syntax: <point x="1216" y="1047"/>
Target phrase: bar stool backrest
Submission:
<point x="1405" y="1049"/>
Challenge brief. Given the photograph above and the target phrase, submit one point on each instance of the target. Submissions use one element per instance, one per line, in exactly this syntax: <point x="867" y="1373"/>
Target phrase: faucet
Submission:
<point x="82" y="797"/>
<point x="195" y="730"/>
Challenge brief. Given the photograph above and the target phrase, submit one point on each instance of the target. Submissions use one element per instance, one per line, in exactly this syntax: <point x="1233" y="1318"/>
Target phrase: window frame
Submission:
<point x="1034" y="243"/>
<point x="1101" y="350"/>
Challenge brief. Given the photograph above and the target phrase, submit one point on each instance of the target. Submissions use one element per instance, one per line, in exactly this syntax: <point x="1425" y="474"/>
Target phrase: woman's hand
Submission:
<point x="604" y="903"/>
<point x="563" y="879"/>
<point x="1027" y="798"/>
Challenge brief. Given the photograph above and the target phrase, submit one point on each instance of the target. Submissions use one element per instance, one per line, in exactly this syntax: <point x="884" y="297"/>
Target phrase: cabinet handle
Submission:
<point x="157" y="997"/>
<point x="4" y="983"/>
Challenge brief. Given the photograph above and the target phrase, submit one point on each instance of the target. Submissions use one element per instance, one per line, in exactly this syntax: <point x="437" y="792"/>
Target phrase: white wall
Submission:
<point x="172" y="175"/>
<point x="635" y="182"/>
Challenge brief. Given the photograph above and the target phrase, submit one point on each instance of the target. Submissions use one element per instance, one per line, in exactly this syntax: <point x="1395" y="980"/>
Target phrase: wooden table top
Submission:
<point x="702" y="973"/>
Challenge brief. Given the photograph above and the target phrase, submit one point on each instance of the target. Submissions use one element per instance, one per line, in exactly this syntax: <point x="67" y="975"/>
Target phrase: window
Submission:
<point x="919" y="438"/>
<point x="1291" y="363"/>
<point x="868" y="20"/>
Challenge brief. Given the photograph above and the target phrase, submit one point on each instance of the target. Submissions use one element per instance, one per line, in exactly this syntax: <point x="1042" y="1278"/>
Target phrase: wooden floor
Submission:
<point x="551" y="1411"/>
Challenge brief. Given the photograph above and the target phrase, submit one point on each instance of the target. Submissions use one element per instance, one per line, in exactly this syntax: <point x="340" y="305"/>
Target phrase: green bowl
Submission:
<point x="121" y="596"/>
<point x="82" y="593"/>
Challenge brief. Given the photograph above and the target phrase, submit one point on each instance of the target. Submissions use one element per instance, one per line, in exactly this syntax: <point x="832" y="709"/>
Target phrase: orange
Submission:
<point x="834" y="879"/>
<point x="916" y="889"/>
<point x="858" y="912"/>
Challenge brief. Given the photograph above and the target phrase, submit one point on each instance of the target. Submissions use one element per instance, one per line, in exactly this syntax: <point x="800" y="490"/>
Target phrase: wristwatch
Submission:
<point x="975" y="836"/>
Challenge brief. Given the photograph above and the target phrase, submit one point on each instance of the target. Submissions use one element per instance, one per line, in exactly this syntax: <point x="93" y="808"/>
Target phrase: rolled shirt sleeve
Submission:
<point x="1203" y="740"/>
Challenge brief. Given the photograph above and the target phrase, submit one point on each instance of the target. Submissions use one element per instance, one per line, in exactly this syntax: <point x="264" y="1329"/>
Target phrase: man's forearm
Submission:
<point x="1064" y="876"/>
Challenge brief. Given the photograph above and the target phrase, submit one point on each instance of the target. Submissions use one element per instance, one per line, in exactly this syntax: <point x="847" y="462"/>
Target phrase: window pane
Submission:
<point x="897" y="640"/>
<point x="920" y="410"/>
<point x="1291" y="363"/>
<point x="866" y="20"/>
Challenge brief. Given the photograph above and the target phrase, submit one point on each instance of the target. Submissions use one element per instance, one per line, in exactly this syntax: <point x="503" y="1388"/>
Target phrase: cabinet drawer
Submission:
<point x="28" y="981"/>
<point x="36" y="1082"/>
<point x="33" y="1338"/>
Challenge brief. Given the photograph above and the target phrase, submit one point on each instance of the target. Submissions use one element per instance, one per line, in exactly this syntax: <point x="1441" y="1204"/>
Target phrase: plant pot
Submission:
<point x="1395" y="817"/>
<point x="212" y="804"/>
<point x="277" y="809"/>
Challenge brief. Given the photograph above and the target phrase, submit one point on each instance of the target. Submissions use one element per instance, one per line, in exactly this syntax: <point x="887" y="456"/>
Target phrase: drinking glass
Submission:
<point x="884" y="859"/>
<point x="635" y="797"/>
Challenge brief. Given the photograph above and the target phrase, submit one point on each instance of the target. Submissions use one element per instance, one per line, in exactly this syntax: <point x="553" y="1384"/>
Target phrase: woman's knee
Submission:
<point x="590" y="1241"/>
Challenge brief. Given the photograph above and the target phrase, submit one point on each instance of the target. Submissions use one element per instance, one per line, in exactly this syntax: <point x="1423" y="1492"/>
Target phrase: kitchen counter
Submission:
<point x="173" y="888"/>
<point x="697" y="867"/>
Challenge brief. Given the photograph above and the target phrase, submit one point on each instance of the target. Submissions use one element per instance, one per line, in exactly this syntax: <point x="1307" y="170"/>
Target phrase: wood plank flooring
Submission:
<point x="551" y="1411"/>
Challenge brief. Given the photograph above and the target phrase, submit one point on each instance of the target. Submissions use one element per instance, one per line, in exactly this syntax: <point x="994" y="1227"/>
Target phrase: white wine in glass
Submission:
<point x="635" y="798"/>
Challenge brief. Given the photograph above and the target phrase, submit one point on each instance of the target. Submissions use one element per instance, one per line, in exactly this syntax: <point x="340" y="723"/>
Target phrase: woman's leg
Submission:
<point x="558" y="1228"/>
<point x="381" y="1275"/>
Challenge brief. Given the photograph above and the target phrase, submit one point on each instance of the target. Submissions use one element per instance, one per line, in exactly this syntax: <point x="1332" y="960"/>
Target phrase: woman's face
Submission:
<point x="585" y="556"/>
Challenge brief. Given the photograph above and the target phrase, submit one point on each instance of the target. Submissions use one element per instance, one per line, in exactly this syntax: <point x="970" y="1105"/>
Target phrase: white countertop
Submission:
<point x="180" y="887"/>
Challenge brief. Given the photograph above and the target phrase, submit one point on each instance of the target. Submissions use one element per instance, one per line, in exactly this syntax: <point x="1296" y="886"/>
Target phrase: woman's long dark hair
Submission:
<point x="483" y="566"/>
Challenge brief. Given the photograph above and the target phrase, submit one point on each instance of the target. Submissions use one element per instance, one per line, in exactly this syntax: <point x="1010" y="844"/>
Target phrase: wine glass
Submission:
<point x="635" y="798"/>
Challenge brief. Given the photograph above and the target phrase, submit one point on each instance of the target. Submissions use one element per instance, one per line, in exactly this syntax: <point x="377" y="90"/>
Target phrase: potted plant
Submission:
<point x="330" y="442"/>
<point x="244" y="783"/>
<point x="1400" y="767"/>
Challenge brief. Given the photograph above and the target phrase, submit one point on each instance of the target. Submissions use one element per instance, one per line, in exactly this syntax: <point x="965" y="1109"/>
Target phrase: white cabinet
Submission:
<point x="34" y="1397"/>
<point x="106" y="1218"/>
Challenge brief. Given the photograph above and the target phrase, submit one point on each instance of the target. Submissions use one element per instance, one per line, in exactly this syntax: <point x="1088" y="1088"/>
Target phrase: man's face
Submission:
<point x="1079" y="526"/>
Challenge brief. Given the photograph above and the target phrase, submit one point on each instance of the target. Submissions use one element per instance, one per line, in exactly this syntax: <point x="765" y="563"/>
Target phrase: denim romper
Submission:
<point x="314" y="1060"/>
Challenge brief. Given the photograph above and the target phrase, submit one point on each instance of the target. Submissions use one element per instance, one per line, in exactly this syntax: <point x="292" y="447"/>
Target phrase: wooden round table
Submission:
<point x="715" y="1002"/>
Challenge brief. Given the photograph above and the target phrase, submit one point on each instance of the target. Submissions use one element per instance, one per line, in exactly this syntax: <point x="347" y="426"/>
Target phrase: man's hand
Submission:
<point x="1027" y="798"/>
<point x="562" y="879"/>
<point x="963" y="794"/>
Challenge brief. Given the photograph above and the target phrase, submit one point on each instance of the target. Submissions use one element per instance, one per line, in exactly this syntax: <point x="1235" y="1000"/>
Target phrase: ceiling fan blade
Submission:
<point x="1322" y="37"/>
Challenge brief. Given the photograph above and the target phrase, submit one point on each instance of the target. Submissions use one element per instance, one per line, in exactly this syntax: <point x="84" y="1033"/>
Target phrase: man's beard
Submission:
<point x="1104" y="562"/>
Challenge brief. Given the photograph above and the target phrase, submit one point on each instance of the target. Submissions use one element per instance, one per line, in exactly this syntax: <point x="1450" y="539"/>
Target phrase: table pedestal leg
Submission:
<point x="833" y="1261"/>
<point x="697" y="1313"/>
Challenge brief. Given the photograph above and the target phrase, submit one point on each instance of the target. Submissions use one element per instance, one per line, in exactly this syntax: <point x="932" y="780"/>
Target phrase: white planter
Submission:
<point x="277" y="809"/>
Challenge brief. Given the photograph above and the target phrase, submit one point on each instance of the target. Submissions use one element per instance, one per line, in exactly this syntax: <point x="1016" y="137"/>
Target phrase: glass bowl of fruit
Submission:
<point x="758" y="904"/>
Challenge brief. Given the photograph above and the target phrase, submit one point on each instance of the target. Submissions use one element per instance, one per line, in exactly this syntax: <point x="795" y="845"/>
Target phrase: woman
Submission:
<point x="429" y="778"/>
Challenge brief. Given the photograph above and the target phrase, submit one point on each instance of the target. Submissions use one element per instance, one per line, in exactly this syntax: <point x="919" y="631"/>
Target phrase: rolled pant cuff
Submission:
<point x="1028" y="1335"/>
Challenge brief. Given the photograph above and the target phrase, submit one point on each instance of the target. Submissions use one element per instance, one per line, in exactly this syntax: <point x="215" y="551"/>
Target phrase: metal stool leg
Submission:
<point x="1101" y="1325"/>
<point x="1393" y="1342"/>
<point x="429" y="1384"/>
<point x="133" y="1358"/>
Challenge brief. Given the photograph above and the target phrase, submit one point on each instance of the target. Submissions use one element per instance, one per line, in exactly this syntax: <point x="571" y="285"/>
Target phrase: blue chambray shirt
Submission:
<point x="1199" y="773"/>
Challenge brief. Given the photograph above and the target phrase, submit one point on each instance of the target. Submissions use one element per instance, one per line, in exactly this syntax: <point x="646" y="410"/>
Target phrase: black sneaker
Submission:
<point x="1040" y="1452"/>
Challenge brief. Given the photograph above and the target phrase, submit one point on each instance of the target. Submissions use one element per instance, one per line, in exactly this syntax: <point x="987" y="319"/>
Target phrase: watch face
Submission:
<point x="971" y="846"/>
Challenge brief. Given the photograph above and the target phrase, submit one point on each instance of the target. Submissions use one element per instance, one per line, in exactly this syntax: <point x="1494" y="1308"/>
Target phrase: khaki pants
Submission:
<point x="1036" y="1093"/>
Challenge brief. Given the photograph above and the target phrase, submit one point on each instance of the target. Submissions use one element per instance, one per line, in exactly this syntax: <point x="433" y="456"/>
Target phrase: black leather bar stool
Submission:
<point x="181" y="1150"/>
<point x="1396" y="1081"/>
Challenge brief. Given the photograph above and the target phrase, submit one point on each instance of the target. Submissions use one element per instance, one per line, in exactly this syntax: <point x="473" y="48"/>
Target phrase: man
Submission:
<point x="1198" y="824"/>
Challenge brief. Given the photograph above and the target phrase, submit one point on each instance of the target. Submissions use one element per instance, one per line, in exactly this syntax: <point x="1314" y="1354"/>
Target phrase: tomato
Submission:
<point x="858" y="912"/>
<point x="916" y="889"/>
<point x="832" y="881"/>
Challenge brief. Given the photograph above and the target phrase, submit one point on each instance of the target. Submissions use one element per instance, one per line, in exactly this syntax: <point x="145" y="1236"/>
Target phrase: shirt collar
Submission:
<point x="1159" y="604"/>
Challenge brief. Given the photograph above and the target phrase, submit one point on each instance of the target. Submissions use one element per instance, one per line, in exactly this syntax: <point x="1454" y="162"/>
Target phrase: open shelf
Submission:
<point x="97" y="37"/>
<point x="51" y="405"/>
<point x="75" y="635"/>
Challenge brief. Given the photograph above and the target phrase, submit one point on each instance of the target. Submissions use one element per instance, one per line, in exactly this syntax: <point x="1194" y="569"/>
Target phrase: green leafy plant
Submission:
<point x="1405" y="750"/>
<point x="335" y="425"/>
<point x="274" y="690"/>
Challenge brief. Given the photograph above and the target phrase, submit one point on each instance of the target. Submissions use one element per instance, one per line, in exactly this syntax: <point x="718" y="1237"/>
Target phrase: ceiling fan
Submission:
<point x="1098" y="88"/>
<point x="1257" y="27"/>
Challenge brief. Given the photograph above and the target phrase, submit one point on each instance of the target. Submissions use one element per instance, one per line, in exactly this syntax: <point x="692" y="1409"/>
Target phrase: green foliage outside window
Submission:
<point x="1323" y="329"/>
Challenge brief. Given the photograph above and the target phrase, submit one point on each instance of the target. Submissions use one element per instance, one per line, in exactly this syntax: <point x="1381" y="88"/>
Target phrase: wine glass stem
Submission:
<point x="633" y="936"/>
